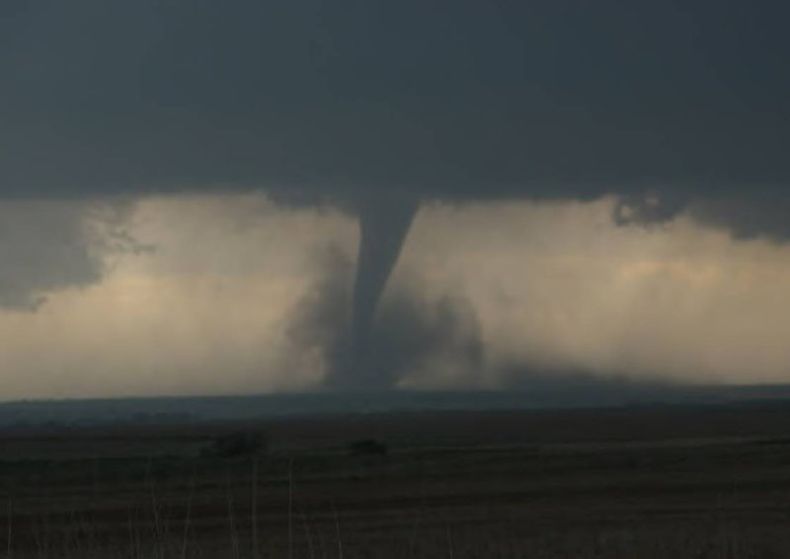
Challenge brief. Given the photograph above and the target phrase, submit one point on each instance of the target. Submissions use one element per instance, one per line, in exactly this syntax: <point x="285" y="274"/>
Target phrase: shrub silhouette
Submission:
<point x="236" y="444"/>
<point x="368" y="447"/>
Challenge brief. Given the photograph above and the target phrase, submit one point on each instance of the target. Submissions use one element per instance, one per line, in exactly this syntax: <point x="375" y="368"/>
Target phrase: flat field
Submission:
<point x="643" y="482"/>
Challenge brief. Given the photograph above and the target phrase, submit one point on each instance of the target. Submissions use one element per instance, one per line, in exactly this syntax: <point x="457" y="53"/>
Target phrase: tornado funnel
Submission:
<point x="384" y="223"/>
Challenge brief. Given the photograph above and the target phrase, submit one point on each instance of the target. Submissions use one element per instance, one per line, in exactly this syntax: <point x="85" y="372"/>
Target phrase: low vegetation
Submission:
<point x="315" y="490"/>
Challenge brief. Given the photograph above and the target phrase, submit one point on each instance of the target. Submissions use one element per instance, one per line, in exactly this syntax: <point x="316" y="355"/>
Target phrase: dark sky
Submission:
<point x="462" y="99"/>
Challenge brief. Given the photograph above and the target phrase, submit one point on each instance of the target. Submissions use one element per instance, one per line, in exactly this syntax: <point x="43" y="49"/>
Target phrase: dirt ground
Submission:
<point x="644" y="482"/>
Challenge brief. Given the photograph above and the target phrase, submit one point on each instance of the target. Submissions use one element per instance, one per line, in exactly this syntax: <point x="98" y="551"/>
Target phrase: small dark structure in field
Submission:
<point x="368" y="447"/>
<point x="240" y="443"/>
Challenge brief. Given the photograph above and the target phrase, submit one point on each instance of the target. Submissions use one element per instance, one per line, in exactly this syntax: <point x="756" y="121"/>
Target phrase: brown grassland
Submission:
<point x="705" y="482"/>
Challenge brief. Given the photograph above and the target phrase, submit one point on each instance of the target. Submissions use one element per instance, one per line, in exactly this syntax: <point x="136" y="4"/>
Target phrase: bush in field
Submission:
<point x="368" y="447"/>
<point x="236" y="444"/>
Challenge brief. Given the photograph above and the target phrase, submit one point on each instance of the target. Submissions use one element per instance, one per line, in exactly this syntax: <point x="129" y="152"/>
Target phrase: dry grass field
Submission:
<point x="623" y="483"/>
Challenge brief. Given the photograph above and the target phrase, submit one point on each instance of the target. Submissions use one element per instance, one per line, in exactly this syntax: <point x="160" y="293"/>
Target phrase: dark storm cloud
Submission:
<point x="46" y="246"/>
<point x="54" y="256"/>
<point x="760" y="214"/>
<point x="747" y="215"/>
<point x="314" y="101"/>
<point x="466" y="99"/>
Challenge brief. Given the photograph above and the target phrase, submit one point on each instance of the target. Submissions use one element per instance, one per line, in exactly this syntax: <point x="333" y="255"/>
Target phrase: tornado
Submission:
<point x="384" y="223"/>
